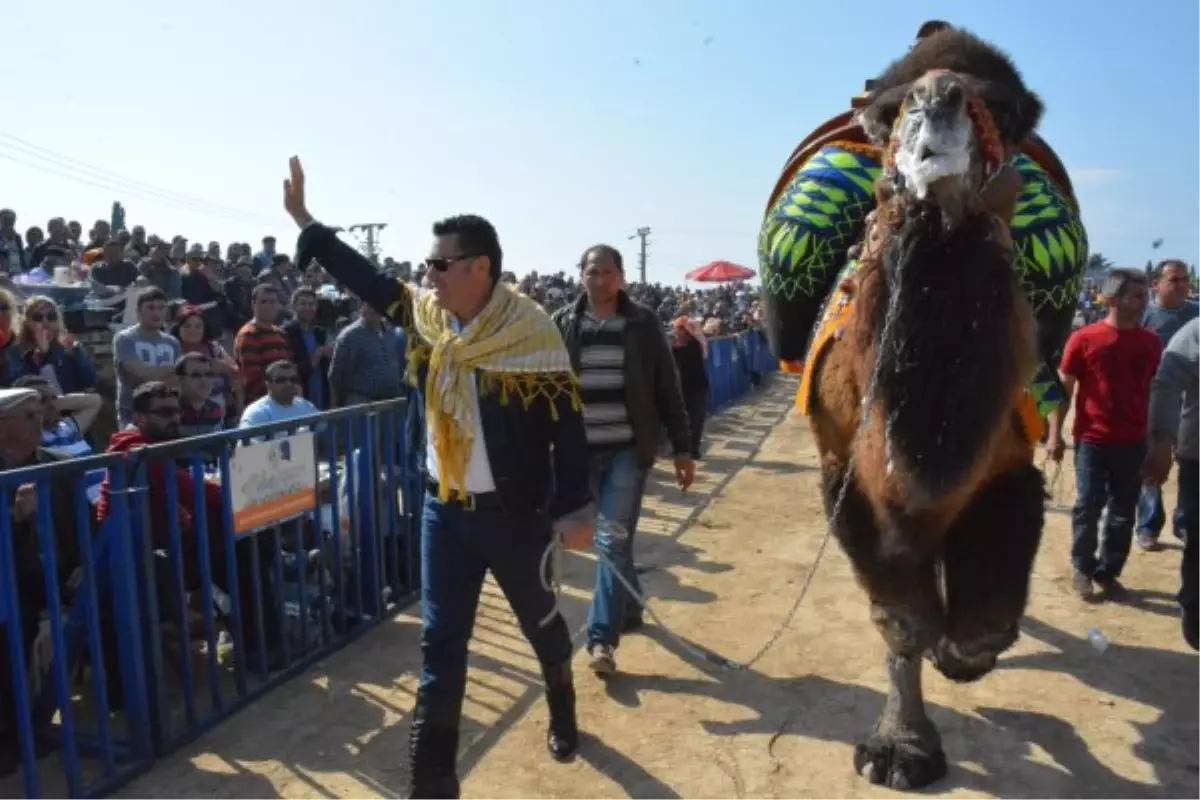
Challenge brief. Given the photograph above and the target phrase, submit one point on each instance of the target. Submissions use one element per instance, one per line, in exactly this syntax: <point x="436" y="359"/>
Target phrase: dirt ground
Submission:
<point x="725" y="563"/>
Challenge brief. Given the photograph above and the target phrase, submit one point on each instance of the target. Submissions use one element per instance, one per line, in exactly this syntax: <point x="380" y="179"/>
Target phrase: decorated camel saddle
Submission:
<point x="817" y="215"/>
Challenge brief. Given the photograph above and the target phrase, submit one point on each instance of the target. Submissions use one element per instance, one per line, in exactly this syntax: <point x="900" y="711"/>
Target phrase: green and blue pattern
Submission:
<point x="806" y="234"/>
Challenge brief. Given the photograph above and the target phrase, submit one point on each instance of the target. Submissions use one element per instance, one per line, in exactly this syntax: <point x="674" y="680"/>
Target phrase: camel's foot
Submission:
<point x="901" y="759"/>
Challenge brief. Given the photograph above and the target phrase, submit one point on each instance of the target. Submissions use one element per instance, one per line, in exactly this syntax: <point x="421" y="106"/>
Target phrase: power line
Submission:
<point x="112" y="181"/>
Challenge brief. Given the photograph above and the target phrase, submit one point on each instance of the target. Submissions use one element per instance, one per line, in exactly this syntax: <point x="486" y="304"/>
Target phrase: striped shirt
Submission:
<point x="602" y="382"/>
<point x="66" y="438"/>
<point x="254" y="349"/>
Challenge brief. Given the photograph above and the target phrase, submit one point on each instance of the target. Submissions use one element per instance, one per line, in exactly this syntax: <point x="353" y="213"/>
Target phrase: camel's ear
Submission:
<point x="880" y="113"/>
<point x="1015" y="110"/>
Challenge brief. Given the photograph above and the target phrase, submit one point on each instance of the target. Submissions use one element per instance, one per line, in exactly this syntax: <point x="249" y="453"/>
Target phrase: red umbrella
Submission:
<point x="719" y="271"/>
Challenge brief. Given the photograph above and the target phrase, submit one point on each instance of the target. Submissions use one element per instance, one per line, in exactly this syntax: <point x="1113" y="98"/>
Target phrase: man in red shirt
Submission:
<point x="1111" y="362"/>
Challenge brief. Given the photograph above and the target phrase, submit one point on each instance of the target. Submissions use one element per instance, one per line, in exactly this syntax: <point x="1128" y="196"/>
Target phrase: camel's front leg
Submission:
<point x="905" y="750"/>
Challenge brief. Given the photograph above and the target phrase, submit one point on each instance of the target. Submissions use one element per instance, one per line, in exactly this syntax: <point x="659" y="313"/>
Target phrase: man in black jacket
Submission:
<point x="630" y="391"/>
<point x="493" y="395"/>
<point x="311" y="346"/>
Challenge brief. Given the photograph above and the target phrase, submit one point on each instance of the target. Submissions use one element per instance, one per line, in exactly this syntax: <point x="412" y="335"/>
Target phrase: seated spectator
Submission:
<point x="283" y="401"/>
<point x="310" y="346"/>
<point x="143" y="352"/>
<point x="52" y="353"/>
<point x="156" y="415"/>
<point x="238" y="291"/>
<point x="12" y="248"/>
<point x="160" y="272"/>
<point x="260" y="341"/>
<point x="113" y="274"/>
<point x="367" y="364"/>
<point x="65" y="421"/>
<point x="11" y="364"/>
<point x="199" y="411"/>
<point x="195" y="335"/>
<point x="20" y="446"/>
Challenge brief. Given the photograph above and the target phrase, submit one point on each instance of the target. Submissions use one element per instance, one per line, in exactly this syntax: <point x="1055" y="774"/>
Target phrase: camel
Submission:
<point x="917" y="384"/>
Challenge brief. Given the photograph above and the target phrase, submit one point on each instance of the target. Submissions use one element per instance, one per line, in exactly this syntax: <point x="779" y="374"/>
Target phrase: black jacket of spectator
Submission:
<point x="295" y="334"/>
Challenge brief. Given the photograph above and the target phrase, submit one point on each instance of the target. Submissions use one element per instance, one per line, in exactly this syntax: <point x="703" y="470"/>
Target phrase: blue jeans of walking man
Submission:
<point x="458" y="547"/>
<point x="1105" y="475"/>
<point x="618" y="484"/>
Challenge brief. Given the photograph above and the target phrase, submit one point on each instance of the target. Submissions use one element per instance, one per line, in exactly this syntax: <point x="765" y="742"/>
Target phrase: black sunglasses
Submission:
<point x="285" y="379"/>
<point x="166" y="413"/>
<point x="443" y="264"/>
<point x="199" y="374"/>
<point x="40" y="316"/>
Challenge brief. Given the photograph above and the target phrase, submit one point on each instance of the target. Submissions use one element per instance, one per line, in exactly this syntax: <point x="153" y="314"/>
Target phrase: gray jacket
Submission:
<point x="1174" y="413"/>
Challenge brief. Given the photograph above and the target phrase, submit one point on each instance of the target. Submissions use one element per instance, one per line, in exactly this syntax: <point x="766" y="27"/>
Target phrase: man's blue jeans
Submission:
<point x="1152" y="515"/>
<point x="458" y="546"/>
<point x="1105" y="475"/>
<point x="617" y="483"/>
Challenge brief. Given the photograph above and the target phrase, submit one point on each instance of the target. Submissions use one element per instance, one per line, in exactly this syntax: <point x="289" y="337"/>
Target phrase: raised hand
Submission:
<point x="293" y="193"/>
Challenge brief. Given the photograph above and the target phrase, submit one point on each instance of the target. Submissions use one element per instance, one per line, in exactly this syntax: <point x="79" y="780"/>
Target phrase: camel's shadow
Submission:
<point x="993" y="753"/>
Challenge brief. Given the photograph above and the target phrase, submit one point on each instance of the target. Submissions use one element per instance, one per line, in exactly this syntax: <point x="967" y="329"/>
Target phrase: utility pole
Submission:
<point x="642" y="233"/>
<point x="370" y="229"/>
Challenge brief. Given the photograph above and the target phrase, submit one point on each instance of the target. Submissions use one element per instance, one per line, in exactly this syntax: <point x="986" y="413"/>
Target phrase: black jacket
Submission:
<point x="519" y="438"/>
<point x="295" y="334"/>
<point x="652" y="395"/>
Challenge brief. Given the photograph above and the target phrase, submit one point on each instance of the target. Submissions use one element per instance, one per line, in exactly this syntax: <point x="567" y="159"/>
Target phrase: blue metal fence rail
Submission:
<point x="181" y="624"/>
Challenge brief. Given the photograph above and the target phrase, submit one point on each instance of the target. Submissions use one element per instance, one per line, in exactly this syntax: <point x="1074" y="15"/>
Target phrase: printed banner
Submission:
<point x="273" y="481"/>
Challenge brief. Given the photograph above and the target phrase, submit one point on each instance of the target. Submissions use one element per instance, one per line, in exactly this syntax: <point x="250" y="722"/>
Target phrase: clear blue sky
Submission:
<point x="565" y="123"/>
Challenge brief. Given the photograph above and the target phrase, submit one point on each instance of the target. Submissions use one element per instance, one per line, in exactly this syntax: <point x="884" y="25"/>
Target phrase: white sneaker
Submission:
<point x="602" y="661"/>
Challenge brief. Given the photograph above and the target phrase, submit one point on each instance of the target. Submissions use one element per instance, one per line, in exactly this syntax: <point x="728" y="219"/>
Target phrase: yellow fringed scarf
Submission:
<point x="512" y="342"/>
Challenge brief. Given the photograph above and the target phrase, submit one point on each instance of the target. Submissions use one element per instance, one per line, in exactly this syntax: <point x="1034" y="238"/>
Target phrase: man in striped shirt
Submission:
<point x="261" y="342"/>
<point x="630" y="392"/>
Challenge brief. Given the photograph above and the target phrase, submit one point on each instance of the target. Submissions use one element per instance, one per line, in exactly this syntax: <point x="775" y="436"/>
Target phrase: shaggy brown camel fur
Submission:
<point x="916" y="386"/>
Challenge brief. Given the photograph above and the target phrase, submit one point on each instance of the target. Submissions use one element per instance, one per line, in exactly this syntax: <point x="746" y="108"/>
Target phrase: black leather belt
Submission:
<point x="472" y="502"/>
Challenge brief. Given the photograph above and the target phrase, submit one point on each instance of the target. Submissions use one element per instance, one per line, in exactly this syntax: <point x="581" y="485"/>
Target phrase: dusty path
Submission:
<point x="1058" y="719"/>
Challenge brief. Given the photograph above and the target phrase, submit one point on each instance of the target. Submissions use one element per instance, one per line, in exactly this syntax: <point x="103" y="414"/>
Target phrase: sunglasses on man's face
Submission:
<point x="284" y="379"/>
<point x="166" y="412"/>
<point x="200" y="375"/>
<point x="43" y="316"/>
<point x="443" y="264"/>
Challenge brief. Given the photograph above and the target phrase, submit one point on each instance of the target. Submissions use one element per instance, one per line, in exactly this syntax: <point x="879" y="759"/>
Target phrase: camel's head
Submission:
<point x="943" y="133"/>
<point x="947" y="113"/>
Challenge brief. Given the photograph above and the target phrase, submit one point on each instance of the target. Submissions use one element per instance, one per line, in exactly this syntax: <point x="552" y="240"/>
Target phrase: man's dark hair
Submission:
<point x="145" y="395"/>
<point x="608" y="250"/>
<point x="303" y="291"/>
<point x="1119" y="280"/>
<point x="262" y="289"/>
<point x="476" y="237"/>
<point x="1161" y="267"/>
<point x="149" y="295"/>
<point x="181" y="365"/>
<point x="274" y="367"/>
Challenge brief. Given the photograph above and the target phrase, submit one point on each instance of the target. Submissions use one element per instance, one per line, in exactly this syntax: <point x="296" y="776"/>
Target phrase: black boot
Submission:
<point x="562" y="740"/>
<point x="432" y="751"/>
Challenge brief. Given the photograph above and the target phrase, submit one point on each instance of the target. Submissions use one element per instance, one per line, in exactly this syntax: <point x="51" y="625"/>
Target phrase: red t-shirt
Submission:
<point x="1112" y="367"/>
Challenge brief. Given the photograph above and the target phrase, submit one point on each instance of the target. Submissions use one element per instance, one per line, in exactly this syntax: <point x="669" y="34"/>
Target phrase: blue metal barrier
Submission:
<point x="181" y="618"/>
<point x="735" y="364"/>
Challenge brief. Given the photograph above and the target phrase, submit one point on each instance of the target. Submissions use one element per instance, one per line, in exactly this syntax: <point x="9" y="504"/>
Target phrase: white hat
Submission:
<point x="11" y="398"/>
